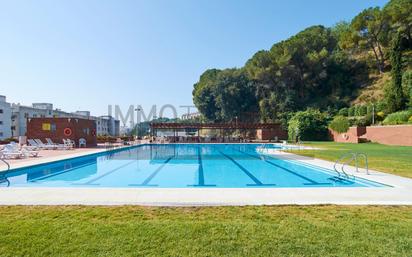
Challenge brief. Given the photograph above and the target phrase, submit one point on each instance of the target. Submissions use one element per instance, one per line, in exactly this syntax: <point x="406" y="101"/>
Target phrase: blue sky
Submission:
<point x="84" y="55"/>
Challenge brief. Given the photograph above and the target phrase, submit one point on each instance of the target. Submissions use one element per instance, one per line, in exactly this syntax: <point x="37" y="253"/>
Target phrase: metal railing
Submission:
<point x="3" y="178"/>
<point x="353" y="157"/>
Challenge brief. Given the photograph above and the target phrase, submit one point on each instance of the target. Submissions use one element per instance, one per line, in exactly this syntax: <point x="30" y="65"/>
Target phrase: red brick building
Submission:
<point x="58" y="129"/>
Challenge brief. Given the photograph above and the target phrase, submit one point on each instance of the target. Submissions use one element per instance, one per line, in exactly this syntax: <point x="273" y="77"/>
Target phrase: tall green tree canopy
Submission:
<point x="319" y="67"/>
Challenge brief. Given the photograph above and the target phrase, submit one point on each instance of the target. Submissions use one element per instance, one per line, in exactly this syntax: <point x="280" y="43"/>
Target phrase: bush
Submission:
<point x="380" y="116"/>
<point x="361" y="110"/>
<point x="380" y="107"/>
<point x="395" y="118"/>
<point x="351" y="111"/>
<point x="308" y="125"/>
<point x="344" y="112"/>
<point x="361" y="121"/>
<point x="8" y="140"/>
<point x="410" y="120"/>
<point x="339" y="124"/>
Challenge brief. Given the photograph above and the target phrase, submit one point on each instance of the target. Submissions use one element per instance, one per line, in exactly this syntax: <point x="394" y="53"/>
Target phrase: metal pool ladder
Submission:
<point x="353" y="157"/>
<point x="3" y="177"/>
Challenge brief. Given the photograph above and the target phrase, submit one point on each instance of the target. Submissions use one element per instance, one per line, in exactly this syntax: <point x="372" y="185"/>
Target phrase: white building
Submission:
<point x="17" y="121"/>
<point x="5" y="118"/>
<point x="107" y="126"/>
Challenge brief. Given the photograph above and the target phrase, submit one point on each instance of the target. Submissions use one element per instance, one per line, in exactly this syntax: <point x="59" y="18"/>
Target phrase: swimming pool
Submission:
<point x="181" y="166"/>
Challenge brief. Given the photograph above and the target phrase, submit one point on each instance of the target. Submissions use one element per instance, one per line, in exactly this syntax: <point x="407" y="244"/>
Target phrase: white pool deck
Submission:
<point x="400" y="192"/>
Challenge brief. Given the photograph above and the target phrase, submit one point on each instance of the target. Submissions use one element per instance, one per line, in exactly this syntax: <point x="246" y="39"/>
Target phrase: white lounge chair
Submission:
<point x="9" y="152"/>
<point x="47" y="146"/>
<point x="82" y="142"/>
<point x="69" y="143"/>
<point x="39" y="145"/>
<point x="25" y="150"/>
<point x="58" y="146"/>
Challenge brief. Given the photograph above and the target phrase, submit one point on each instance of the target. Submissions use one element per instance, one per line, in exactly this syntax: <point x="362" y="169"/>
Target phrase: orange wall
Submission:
<point x="388" y="135"/>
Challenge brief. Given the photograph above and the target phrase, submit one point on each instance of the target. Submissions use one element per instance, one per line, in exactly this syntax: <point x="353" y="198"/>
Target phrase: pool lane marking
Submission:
<point x="90" y="182"/>
<point x="201" y="175"/>
<point x="151" y="176"/>
<point x="60" y="172"/>
<point x="248" y="173"/>
<point x="312" y="182"/>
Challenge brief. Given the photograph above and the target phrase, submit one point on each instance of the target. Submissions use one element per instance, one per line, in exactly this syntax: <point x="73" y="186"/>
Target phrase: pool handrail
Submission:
<point x="354" y="157"/>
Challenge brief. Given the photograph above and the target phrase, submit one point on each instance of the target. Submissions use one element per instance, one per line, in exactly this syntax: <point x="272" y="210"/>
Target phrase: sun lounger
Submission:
<point x="26" y="151"/>
<point x="46" y="146"/>
<point x="58" y="146"/>
<point x="40" y="145"/>
<point x="9" y="152"/>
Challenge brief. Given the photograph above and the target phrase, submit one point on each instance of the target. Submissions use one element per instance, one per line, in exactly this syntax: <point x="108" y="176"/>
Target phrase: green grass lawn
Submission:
<point x="208" y="231"/>
<point x="391" y="159"/>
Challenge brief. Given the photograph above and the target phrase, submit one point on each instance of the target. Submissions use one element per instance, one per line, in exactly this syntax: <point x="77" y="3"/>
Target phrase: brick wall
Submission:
<point x="268" y="134"/>
<point x="388" y="135"/>
<point x="351" y="136"/>
<point x="37" y="128"/>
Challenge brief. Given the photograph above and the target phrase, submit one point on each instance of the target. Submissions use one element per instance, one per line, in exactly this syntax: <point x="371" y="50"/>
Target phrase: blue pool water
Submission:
<point x="180" y="166"/>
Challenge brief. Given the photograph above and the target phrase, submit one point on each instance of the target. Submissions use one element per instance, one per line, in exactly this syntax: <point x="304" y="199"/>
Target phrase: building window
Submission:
<point x="13" y="127"/>
<point x="53" y="127"/>
<point x="1" y="110"/>
<point x="26" y="115"/>
<point x="1" y="134"/>
<point x="1" y="122"/>
<point x="86" y="131"/>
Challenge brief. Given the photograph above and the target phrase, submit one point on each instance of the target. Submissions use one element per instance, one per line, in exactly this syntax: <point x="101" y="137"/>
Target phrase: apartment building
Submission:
<point x="5" y="118"/>
<point x="106" y="125"/>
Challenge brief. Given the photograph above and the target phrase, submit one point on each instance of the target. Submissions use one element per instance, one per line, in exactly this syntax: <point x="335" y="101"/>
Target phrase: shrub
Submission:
<point x="361" y="110"/>
<point x="380" y="107"/>
<point x="369" y="109"/>
<point x="8" y="140"/>
<point x="351" y="111"/>
<point x="380" y="116"/>
<point x="339" y="124"/>
<point x="344" y="112"/>
<point x="395" y="118"/>
<point x="308" y="125"/>
<point x="361" y="122"/>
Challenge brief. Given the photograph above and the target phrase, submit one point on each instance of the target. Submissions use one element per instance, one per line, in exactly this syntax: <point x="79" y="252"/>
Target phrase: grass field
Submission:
<point x="392" y="159"/>
<point x="208" y="231"/>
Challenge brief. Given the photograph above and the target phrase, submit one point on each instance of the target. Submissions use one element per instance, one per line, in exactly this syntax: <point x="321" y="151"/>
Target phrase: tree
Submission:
<point x="345" y="35"/>
<point x="308" y="125"/>
<point x="223" y="95"/>
<point x="235" y="95"/>
<point x="203" y="94"/>
<point x="400" y="16"/>
<point x="394" y="93"/>
<point x="371" y="26"/>
<point x="407" y="86"/>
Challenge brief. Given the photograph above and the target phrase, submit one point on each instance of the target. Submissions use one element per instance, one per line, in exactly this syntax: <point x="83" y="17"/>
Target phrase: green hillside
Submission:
<point x="365" y="61"/>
